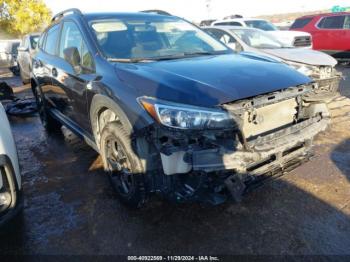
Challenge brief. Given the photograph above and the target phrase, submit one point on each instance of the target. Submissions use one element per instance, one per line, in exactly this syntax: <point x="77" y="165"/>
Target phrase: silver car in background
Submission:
<point x="26" y="50"/>
<point x="316" y="65"/>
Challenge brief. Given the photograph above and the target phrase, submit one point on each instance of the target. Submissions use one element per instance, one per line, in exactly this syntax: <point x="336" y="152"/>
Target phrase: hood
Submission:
<point x="304" y="56"/>
<point x="208" y="80"/>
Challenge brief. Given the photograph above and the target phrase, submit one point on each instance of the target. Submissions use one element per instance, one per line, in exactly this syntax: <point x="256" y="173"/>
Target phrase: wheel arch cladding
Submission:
<point x="141" y="147"/>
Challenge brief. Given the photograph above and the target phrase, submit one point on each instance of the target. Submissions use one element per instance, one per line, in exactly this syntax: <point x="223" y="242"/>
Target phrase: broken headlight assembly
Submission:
<point x="307" y="70"/>
<point x="182" y="116"/>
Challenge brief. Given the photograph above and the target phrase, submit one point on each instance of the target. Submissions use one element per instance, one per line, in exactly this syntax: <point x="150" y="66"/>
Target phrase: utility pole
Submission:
<point x="208" y="7"/>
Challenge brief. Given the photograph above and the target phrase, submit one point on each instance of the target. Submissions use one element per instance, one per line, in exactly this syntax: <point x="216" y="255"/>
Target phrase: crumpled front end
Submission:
<point x="272" y="133"/>
<point x="327" y="81"/>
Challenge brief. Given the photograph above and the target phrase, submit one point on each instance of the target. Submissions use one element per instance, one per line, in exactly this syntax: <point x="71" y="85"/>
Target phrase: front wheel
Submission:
<point x="50" y="124"/>
<point x="123" y="165"/>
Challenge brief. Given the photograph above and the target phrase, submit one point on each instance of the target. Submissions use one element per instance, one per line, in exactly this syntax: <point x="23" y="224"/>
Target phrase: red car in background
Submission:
<point x="330" y="32"/>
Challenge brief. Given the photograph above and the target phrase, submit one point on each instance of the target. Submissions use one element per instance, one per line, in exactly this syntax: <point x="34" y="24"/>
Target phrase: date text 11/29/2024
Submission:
<point x="173" y="258"/>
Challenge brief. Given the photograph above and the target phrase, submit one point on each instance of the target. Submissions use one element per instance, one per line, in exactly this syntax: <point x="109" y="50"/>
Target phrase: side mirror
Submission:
<point x="72" y="56"/>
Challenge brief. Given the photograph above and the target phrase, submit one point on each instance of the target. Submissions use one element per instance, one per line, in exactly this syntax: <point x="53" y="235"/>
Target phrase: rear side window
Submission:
<point x="347" y="22"/>
<point x="73" y="45"/>
<point x="51" y="40"/>
<point x="300" y="23"/>
<point x="332" y="22"/>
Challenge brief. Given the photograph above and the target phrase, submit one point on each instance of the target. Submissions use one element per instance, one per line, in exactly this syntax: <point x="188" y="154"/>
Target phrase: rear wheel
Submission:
<point x="122" y="164"/>
<point x="50" y="124"/>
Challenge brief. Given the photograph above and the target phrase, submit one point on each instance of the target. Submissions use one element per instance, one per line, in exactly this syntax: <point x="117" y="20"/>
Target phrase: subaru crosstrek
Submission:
<point x="170" y="109"/>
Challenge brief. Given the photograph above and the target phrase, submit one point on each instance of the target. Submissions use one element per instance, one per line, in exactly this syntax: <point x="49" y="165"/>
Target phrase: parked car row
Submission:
<point x="289" y="38"/>
<point x="317" y="65"/>
<point x="330" y="32"/>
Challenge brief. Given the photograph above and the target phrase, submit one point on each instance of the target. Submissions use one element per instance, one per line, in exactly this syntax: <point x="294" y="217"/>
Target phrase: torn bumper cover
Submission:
<point x="266" y="152"/>
<point x="272" y="131"/>
<point x="328" y="85"/>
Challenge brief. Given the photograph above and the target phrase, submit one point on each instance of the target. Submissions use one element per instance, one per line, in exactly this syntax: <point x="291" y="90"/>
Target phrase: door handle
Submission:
<point x="54" y="72"/>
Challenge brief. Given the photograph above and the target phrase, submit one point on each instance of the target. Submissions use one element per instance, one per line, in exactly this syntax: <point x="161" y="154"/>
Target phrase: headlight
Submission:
<point x="185" y="116"/>
<point x="307" y="70"/>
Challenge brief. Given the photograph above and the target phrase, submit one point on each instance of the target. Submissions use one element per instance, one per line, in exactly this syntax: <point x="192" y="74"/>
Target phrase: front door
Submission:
<point x="72" y="72"/>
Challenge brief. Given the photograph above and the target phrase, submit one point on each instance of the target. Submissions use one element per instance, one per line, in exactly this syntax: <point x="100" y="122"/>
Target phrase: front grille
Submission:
<point x="302" y="41"/>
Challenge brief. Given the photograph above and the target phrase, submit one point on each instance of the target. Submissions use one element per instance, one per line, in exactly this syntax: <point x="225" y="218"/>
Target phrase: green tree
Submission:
<point x="19" y="17"/>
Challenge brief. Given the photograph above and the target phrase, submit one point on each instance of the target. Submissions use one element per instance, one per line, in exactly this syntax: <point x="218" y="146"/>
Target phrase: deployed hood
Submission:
<point x="305" y="56"/>
<point x="208" y="80"/>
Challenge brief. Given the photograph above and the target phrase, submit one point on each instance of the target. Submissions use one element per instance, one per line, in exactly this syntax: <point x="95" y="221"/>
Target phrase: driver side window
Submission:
<point x="74" y="50"/>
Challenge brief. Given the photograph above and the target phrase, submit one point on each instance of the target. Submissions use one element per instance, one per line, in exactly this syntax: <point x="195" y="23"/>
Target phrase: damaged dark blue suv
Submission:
<point x="170" y="109"/>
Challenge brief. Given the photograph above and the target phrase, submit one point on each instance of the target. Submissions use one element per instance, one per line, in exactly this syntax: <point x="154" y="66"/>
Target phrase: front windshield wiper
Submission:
<point x="159" y="58"/>
<point x="199" y="53"/>
<point x="129" y="60"/>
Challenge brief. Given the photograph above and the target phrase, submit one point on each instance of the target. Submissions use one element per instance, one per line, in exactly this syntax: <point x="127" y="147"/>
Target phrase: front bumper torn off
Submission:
<point x="268" y="152"/>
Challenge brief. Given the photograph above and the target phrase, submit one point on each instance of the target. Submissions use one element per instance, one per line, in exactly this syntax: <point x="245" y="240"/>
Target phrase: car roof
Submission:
<point x="109" y="15"/>
<point x="238" y="19"/>
<point x="324" y="14"/>
<point x="228" y="27"/>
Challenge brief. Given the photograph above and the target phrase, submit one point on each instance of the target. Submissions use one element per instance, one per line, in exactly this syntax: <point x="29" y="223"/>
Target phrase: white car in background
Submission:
<point x="290" y="38"/>
<point x="8" y="54"/>
<point x="316" y="65"/>
<point x="10" y="178"/>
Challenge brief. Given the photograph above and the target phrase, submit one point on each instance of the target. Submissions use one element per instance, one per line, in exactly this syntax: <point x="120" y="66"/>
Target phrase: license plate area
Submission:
<point x="268" y="118"/>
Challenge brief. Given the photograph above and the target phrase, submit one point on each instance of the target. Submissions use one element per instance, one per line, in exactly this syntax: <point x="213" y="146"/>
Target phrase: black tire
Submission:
<point x="50" y="124"/>
<point x="123" y="165"/>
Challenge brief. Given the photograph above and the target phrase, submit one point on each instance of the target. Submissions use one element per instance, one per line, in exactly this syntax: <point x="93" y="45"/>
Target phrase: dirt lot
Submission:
<point x="70" y="207"/>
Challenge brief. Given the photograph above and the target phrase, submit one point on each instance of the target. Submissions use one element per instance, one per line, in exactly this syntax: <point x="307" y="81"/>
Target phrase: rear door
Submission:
<point x="73" y="70"/>
<point x="330" y="34"/>
<point x="44" y="64"/>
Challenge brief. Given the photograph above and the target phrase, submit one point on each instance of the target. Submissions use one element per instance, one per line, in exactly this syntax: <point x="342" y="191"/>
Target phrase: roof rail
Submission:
<point x="61" y="14"/>
<point x="156" y="11"/>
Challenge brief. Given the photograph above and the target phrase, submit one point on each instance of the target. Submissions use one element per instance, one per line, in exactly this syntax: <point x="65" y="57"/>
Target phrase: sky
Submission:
<point x="196" y="10"/>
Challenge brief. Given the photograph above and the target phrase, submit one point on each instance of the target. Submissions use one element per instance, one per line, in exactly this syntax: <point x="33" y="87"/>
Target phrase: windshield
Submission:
<point x="34" y="41"/>
<point x="153" y="38"/>
<point x="258" y="39"/>
<point x="261" y="24"/>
